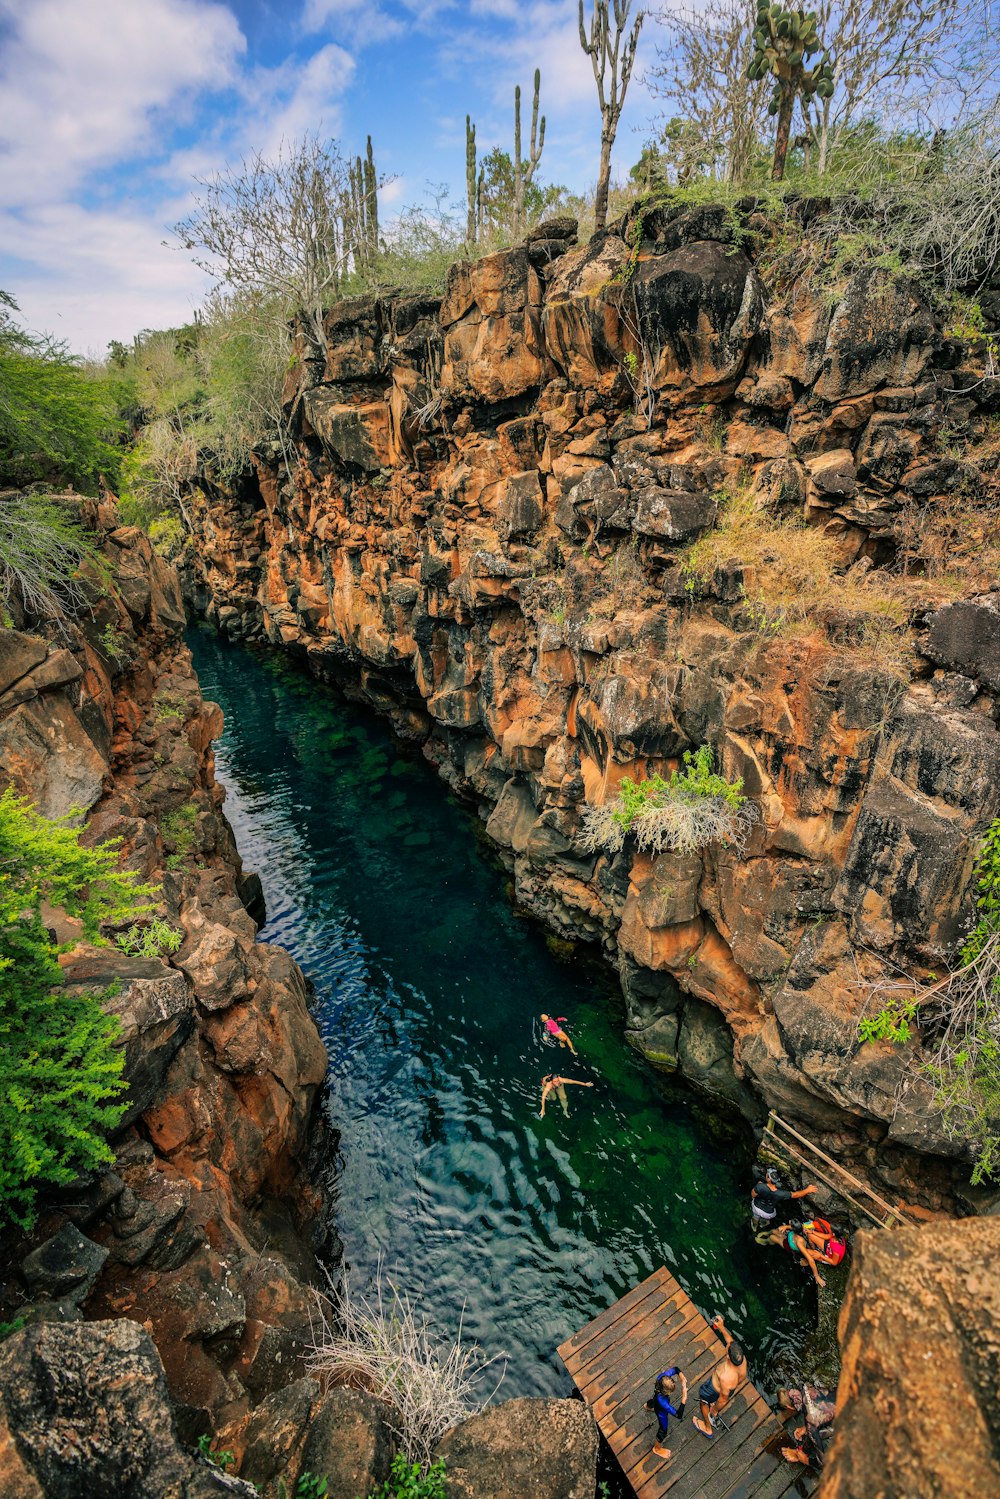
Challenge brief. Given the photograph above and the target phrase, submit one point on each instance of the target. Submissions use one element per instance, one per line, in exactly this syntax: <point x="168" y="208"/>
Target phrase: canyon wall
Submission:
<point x="201" y="1229"/>
<point x="485" y="530"/>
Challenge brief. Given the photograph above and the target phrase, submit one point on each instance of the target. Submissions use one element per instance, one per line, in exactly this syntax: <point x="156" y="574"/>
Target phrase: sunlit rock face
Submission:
<point x="485" y="531"/>
<point x="101" y="713"/>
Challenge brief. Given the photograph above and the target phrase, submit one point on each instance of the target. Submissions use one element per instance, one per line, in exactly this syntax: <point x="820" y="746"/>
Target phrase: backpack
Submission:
<point x="833" y="1248"/>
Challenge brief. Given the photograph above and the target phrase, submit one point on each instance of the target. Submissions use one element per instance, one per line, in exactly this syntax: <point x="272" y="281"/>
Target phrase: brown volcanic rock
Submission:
<point x="511" y="588"/>
<point x="221" y="1056"/>
<point x="917" y="1411"/>
<point x="85" y="1411"/>
<point x="522" y="1449"/>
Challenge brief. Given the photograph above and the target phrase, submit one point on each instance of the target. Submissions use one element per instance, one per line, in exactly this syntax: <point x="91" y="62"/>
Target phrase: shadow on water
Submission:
<point x="429" y="989"/>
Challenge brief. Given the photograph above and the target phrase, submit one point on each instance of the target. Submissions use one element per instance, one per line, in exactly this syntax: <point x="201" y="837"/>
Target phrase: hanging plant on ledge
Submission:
<point x="686" y="811"/>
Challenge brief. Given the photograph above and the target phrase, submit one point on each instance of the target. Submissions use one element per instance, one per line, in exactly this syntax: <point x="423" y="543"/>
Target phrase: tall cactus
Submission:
<point x="471" y="188"/>
<point x="371" y="202"/>
<point x="524" y="170"/>
<point x="783" y="39"/>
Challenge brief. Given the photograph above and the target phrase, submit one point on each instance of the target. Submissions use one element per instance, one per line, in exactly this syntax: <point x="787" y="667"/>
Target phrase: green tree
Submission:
<point x="783" y="40"/>
<point x="60" y="1067"/>
<point x="60" y="423"/>
<point x="498" y="197"/>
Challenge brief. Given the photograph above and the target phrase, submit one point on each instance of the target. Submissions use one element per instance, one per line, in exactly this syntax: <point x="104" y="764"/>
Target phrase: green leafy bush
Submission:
<point x="150" y="938"/>
<point x="178" y="830"/>
<point x="60" y="1068"/>
<point x="685" y="811"/>
<point x="59" y="422"/>
<point x="406" y="1481"/>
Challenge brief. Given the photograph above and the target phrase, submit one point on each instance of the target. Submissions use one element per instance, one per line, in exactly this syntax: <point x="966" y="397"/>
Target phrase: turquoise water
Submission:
<point x="429" y="989"/>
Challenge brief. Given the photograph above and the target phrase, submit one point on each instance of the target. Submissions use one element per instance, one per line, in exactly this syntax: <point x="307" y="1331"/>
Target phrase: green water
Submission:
<point x="429" y="990"/>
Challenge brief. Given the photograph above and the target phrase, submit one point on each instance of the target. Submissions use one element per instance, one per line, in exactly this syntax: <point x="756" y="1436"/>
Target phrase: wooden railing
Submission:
<point x="846" y="1185"/>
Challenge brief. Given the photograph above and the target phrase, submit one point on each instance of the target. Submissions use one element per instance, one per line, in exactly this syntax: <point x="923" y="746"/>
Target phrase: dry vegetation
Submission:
<point x="794" y="581"/>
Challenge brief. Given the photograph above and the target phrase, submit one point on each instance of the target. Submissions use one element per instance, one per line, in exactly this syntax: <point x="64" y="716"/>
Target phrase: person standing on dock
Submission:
<point x="717" y="1391"/>
<point x="662" y="1403"/>
<point x="557" y="1085"/>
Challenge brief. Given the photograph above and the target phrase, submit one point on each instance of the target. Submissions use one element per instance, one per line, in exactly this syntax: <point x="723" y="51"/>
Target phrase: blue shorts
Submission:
<point x="708" y="1394"/>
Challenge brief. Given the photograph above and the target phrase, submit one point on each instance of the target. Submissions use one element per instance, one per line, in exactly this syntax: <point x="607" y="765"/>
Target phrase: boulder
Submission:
<point x="919" y="1333"/>
<point x="880" y="334"/>
<point x="46" y="751"/>
<point x="68" y="1264"/>
<point x="699" y="309"/>
<point x="522" y="1449"/>
<point x="84" y="1410"/>
<point x="966" y="637"/>
<point x="349" y="1444"/>
<point x="153" y="1006"/>
<point x="19" y="654"/>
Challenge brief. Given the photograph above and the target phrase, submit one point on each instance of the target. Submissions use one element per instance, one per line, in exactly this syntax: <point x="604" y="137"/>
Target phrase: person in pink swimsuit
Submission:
<point x="555" y="1028"/>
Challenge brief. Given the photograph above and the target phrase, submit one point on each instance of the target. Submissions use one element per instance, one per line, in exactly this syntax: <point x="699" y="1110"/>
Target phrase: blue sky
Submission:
<point x="110" y="108"/>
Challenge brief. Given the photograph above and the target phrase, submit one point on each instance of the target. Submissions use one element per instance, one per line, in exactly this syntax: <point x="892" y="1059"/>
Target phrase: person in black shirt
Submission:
<point x="767" y="1194"/>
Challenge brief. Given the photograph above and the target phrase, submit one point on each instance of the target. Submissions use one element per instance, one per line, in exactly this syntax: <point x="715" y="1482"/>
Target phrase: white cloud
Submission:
<point x="117" y="277"/>
<point x="83" y="83"/>
<point x="359" y="22"/>
<point x="298" y="99"/>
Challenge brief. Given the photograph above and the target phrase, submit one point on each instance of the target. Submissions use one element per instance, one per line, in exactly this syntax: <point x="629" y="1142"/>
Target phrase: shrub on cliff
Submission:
<point x="60" y="1066"/>
<point x="690" y="809"/>
<point x="41" y="547"/>
<point x="959" y="1020"/>
<point x="59" y="421"/>
<point x="428" y="1385"/>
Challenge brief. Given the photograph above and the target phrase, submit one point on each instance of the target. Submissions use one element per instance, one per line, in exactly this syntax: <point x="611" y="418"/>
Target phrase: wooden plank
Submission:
<point x="632" y="1418"/>
<point x="635" y="1433"/>
<point x="762" y="1469"/>
<point x="747" y="1407"/>
<point x="613" y="1312"/>
<point x="613" y="1361"/>
<point x="783" y="1482"/>
<point x="672" y="1339"/>
<point x="727" y="1456"/>
<point x="660" y="1325"/>
<point x="596" y="1352"/>
<point x="597" y="1348"/>
<point x="696" y="1475"/>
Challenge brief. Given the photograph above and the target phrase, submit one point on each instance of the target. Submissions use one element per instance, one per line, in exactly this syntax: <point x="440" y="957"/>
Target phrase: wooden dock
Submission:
<point x="614" y="1361"/>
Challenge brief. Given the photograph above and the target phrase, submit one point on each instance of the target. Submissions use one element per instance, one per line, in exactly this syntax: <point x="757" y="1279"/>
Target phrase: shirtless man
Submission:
<point x="557" y="1085"/>
<point x="717" y="1391"/>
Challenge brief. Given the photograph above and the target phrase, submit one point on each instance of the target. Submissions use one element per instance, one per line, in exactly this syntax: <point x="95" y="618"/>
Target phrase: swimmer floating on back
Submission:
<point x="555" y="1028"/>
<point x="551" y="1083"/>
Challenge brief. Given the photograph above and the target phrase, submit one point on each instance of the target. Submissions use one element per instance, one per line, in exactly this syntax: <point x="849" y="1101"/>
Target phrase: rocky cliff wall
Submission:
<point x="486" y="529"/>
<point x="917" y="1409"/>
<point x="193" y="1231"/>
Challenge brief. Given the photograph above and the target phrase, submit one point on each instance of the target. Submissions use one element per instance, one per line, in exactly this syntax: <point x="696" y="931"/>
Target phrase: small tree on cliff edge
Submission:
<point x="275" y="232"/>
<point x="612" y="64"/>
<point x="783" y="39"/>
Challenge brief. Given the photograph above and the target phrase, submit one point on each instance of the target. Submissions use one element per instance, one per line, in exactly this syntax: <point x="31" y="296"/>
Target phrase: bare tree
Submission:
<point x="524" y="170"/>
<point x="876" y="44"/>
<point x="612" y="63"/>
<point x="703" y="72"/>
<point x="274" y="231"/>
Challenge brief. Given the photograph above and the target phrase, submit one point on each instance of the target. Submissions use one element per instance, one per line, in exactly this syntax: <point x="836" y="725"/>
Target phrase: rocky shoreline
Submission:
<point x="484" y="534"/>
<point x="202" y="1229"/>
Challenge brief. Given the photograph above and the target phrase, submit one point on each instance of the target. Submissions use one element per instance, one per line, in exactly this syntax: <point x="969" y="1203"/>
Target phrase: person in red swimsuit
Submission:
<point x="555" y="1028"/>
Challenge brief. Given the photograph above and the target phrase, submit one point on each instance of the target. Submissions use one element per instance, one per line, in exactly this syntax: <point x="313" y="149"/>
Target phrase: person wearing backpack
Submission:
<point x="830" y="1249"/>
